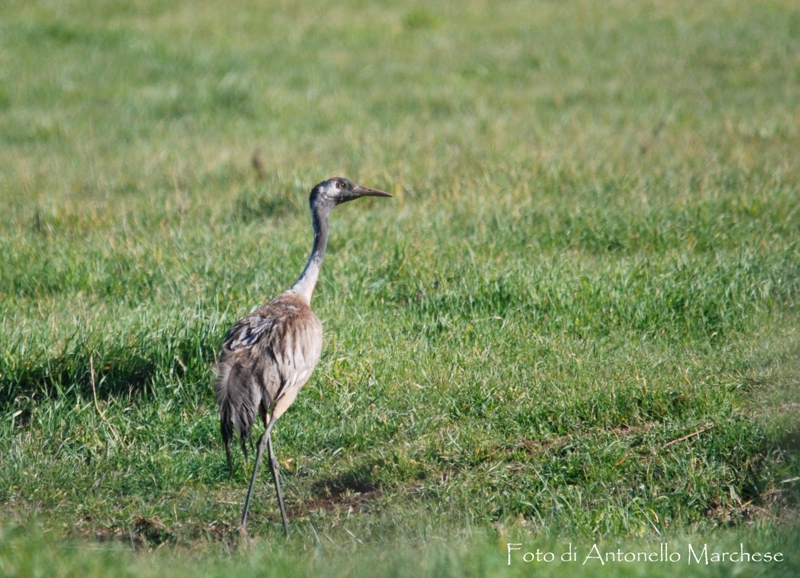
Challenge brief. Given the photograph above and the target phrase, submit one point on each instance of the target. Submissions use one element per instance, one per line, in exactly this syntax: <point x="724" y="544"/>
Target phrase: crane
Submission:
<point x="268" y="355"/>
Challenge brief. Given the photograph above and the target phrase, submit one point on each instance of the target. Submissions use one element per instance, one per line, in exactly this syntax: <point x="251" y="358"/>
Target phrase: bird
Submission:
<point x="268" y="355"/>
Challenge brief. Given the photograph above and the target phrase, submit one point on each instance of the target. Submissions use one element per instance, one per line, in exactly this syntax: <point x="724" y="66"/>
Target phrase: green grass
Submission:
<point x="576" y="320"/>
<point x="33" y="553"/>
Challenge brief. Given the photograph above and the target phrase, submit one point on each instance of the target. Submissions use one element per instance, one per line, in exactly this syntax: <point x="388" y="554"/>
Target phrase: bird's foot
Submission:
<point x="243" y="533"/>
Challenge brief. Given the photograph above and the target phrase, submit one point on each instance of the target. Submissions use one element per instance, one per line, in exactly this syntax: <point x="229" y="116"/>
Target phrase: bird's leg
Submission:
<point x="273" y="462"/>
<point x="262" y="441"/>
<point x="265" y="439"/>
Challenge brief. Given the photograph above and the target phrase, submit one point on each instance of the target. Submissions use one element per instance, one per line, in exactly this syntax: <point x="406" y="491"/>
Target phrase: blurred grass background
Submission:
<point x="576" y="319"/>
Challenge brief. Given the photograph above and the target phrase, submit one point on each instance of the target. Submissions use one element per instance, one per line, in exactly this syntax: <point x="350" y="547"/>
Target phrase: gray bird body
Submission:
<point x="268" y="355"/>
<point x="266" y="358"/>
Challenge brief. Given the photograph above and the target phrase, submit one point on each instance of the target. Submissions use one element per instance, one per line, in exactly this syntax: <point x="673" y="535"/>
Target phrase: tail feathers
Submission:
<point x="238" y="403"/>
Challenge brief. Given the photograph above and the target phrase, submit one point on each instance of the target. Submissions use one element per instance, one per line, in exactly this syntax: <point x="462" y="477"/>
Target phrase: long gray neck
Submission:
<point x="308" y="279"/>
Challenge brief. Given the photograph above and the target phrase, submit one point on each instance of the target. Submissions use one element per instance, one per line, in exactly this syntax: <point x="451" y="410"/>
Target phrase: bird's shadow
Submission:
<point x="351" y="481"/>
<point x="78" y="375"/>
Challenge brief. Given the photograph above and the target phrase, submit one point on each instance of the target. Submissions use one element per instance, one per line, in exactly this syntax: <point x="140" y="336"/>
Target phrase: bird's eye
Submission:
<point x="339" y="185"/>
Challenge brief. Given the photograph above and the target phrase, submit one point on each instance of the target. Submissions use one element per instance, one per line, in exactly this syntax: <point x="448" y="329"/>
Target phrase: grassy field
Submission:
<point x="576" y="322"/>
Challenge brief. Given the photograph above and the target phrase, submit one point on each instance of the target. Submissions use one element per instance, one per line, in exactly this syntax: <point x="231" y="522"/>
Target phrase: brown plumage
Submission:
<point x="266" y="357"/>
<point x="269" y="354"/>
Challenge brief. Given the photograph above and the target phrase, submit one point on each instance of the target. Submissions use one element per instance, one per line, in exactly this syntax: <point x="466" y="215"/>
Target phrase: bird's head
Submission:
<point x="339" y="190"/>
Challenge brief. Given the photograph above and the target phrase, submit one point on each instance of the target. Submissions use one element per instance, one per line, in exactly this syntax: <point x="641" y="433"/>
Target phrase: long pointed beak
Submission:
<point x="367" y="192"/>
